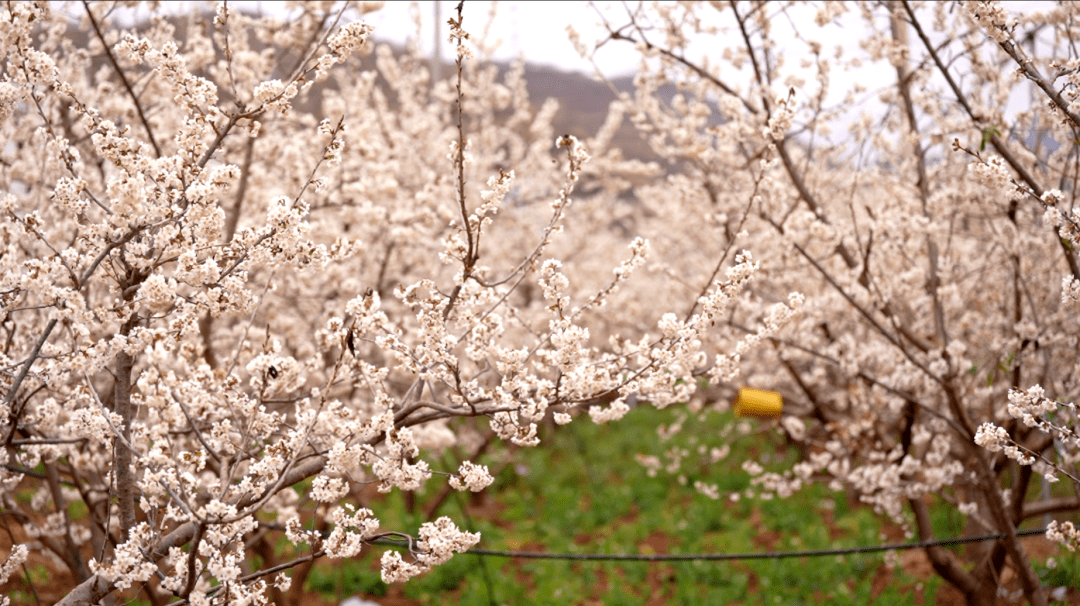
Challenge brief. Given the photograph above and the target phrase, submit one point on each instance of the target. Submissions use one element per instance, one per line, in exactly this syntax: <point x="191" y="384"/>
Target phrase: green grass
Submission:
<point x="1065" y="573"/>
<point x="584" y="492"/>
<point x="346" y="578"/>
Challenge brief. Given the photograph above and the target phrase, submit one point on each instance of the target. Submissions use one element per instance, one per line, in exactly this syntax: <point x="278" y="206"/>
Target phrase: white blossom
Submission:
<point x="471" y="477"/>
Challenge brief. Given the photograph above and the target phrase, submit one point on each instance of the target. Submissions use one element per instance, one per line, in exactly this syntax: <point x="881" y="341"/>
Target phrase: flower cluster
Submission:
<point x="992" y="16"/>
<point x="15" y="559"/>
<point x="1035" y="410"/>
<point x="128" y="564"/>
<point x="349" y="39"/>
<point x="352" y="527"/>
<point x="1064" y="533"/>
<point x="439" y="540"/>
<point x="471" y="477"/>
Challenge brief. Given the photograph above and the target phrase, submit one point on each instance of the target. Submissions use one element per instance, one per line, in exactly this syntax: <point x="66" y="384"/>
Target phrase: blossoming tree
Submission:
<point x="936" y="243"/>
<point x="245" y="274"/>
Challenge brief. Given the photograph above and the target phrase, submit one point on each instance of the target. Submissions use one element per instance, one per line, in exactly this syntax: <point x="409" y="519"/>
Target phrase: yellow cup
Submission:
<point x="760" y="404"/>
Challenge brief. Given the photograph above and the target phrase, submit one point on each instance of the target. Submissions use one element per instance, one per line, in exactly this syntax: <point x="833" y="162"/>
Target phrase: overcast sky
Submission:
<point x="535" y="29"/>
<point x="538" y="29"/>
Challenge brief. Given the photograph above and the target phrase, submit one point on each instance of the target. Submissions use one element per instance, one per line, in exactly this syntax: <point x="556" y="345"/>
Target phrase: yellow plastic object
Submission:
<point x="760" y="404"/>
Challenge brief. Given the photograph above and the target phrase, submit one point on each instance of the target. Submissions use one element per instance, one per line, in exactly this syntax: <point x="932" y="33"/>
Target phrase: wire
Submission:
<point x="534" y="555"/>
<point x="689" y="557"/>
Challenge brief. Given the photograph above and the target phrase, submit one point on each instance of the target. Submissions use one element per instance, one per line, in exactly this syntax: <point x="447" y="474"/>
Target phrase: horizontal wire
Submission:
<point x="536" y="555"/>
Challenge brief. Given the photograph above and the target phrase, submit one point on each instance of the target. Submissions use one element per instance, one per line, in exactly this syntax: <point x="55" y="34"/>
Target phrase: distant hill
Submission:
<point x="583" y="105"/>
<point x="583" y="101"/>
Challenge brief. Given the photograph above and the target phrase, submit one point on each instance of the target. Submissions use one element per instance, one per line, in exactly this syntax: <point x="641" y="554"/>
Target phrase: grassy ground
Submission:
<point x="585" y="491"/>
